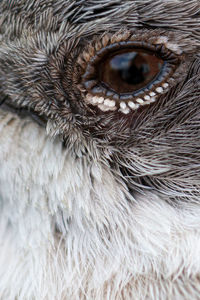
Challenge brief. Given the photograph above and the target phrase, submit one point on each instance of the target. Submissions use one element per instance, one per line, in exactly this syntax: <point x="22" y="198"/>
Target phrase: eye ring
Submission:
<point x="98" y="91"/>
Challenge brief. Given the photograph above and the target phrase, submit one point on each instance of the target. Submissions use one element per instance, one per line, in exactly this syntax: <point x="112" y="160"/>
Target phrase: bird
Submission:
<point x="99" y="149"/>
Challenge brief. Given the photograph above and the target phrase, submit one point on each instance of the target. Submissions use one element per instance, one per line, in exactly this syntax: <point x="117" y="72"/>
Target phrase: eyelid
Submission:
<point x="90" y="59"/>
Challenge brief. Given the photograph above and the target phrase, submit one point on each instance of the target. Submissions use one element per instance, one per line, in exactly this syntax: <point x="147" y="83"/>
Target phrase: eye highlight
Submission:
<point x="126" y="75"/>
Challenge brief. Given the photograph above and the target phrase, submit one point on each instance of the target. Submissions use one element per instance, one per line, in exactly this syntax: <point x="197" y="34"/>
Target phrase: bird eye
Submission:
<point x="128" y="74"/>
<point x="129" y="71"/>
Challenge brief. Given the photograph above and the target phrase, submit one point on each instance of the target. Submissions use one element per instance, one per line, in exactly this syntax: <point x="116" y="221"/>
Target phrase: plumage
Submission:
<point x="97" y="205"/>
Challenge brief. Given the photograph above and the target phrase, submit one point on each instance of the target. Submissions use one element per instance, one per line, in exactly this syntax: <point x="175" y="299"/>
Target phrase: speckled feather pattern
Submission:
<point x="96" y="206"/>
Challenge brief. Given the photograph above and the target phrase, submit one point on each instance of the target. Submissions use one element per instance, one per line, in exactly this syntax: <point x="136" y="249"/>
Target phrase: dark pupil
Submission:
<point x="130" y="71"/>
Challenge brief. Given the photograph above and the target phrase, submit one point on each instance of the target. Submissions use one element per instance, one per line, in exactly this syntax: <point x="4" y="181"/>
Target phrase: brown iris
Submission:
<point x="129" y="71"/>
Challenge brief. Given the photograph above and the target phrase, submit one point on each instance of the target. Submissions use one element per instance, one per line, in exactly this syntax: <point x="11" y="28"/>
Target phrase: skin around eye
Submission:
<point x="129" y="71"/>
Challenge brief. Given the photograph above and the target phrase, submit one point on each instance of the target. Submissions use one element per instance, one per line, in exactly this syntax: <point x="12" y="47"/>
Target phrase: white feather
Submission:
<point x="106" y="247"/>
